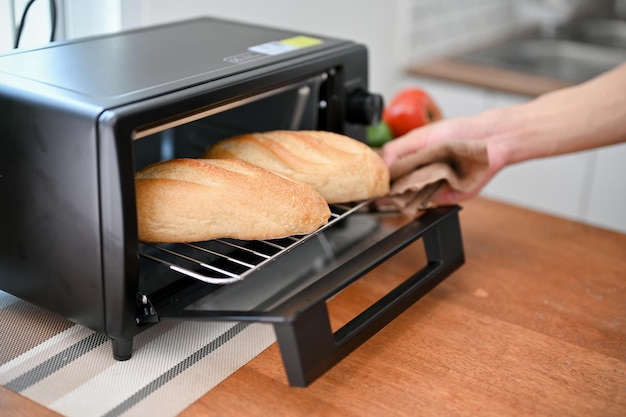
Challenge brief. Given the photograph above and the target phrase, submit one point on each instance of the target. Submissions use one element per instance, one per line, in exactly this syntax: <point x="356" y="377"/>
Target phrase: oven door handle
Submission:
<point x="308" y="345"/>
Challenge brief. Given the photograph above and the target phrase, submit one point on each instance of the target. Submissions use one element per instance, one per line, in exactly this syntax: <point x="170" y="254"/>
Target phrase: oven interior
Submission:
<point x="225" y="261"/>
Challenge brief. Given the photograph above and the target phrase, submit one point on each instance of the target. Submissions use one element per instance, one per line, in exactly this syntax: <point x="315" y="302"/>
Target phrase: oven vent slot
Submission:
<point x="227" y="261"/>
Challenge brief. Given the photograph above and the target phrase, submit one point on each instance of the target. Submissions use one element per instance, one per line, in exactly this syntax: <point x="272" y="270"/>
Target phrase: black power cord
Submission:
<point x="53" y="21"/>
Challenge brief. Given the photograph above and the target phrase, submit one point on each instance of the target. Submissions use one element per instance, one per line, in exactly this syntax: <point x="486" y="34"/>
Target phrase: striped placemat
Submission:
<point x="70" y="369"/>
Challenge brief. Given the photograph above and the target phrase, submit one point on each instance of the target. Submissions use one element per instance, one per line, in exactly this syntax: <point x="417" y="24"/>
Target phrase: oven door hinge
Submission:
<point x="146" y="313"/>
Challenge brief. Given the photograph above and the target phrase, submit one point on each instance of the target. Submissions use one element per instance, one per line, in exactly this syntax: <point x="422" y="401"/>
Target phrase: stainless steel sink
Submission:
<point x="562" y="59"/>
<point x="601" y="31"/>
<point x="577" y="52"/>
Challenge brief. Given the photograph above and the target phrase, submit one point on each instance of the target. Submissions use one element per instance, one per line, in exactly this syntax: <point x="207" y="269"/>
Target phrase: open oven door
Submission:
<point x="291" y="291"/>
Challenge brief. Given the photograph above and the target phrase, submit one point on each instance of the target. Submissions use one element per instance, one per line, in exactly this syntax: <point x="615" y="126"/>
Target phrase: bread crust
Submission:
<point x="188" y="200"/>
<point x="340" y="168"/>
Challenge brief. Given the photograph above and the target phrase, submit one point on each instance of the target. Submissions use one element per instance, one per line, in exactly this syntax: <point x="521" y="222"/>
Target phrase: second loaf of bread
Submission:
<point x="186" y="200"/>
<point x="340" y="168"/>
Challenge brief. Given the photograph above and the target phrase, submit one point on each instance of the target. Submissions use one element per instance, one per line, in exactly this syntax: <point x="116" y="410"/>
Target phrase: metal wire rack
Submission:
<point x="227" y="261"/>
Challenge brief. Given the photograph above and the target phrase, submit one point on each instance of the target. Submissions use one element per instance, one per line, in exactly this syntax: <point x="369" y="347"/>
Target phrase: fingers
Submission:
<point x="434" y="133"/>
<point x="447" y="196"/>
<point x="417" y="139"/>
<point x="409" y="143"/>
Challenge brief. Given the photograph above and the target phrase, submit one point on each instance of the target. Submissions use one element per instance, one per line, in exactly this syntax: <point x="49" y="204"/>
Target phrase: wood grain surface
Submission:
<point x="534" y="324"/>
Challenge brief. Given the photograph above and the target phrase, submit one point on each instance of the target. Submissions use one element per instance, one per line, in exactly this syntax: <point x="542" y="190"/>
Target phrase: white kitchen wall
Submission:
<point x="91" y="17"/>
<point x="36" y="29"/>
<point x="75" y="18"/>
<point x="441" y="27"/>
<point x="6" y="25"/>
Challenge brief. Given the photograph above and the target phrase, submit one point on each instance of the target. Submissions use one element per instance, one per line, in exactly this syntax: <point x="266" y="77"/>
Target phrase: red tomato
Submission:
<point x="409" y="109"/>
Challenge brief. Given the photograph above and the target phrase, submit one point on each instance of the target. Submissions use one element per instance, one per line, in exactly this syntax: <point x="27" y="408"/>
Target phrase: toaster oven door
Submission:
<point x="294" y="289"/>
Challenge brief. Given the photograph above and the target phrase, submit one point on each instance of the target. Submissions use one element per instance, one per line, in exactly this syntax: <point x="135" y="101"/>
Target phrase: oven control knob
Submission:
<point x="364" y="108"/>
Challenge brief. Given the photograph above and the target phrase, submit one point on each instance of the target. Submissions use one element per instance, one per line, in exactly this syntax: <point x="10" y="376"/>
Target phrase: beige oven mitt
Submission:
<point x="417" y="176"/>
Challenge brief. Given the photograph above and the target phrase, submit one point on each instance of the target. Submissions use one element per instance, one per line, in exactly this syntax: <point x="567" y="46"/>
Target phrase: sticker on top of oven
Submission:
<point x="285" y="45"/>
<point x="273" y="48"/>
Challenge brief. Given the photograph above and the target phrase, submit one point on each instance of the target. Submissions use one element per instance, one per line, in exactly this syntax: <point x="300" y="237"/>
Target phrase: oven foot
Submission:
<point x="122" y="349"/>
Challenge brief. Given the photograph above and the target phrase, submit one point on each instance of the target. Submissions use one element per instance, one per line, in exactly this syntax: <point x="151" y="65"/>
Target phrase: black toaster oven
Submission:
<point x="79" y="118"/>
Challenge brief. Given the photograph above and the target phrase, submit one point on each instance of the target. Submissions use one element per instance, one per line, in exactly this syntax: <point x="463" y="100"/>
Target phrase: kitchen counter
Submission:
<point x="485" y="76"/>
<point x="533" y="324"/>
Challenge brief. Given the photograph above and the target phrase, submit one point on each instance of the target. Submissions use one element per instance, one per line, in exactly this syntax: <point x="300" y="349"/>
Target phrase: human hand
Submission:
<point x="476" y="128"/>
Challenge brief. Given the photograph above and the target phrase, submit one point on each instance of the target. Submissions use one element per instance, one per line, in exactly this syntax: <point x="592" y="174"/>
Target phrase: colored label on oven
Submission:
<point x="302" y="41"/>
<point x="285" y="45"/>
<point x="274" y="48"/>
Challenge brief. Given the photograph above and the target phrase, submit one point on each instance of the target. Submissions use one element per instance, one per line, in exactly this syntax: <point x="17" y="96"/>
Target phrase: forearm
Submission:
<point x="584" y="116"/>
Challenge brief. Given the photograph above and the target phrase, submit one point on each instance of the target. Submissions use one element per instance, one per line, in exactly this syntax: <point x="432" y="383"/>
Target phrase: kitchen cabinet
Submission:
<point x="607" y="190"/>
<point x="586" y="186"/>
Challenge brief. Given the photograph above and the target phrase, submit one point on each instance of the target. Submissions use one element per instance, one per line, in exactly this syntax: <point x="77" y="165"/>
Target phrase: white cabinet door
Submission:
<point x="553" y="185"/>
<point x="606" y="201"/>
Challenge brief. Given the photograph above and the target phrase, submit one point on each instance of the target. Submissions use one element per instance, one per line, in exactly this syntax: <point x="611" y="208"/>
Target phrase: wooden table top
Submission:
<point x="534" y="324"/>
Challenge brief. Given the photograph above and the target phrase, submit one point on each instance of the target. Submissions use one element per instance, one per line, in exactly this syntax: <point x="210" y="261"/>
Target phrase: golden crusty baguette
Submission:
<point x="340" y="168"/>
<point x="188" y="200"/>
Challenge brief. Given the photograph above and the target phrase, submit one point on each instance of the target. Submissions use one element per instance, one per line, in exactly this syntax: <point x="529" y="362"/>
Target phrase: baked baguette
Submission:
<point x="188" y="200"/>
<point x="340" y="168"/>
